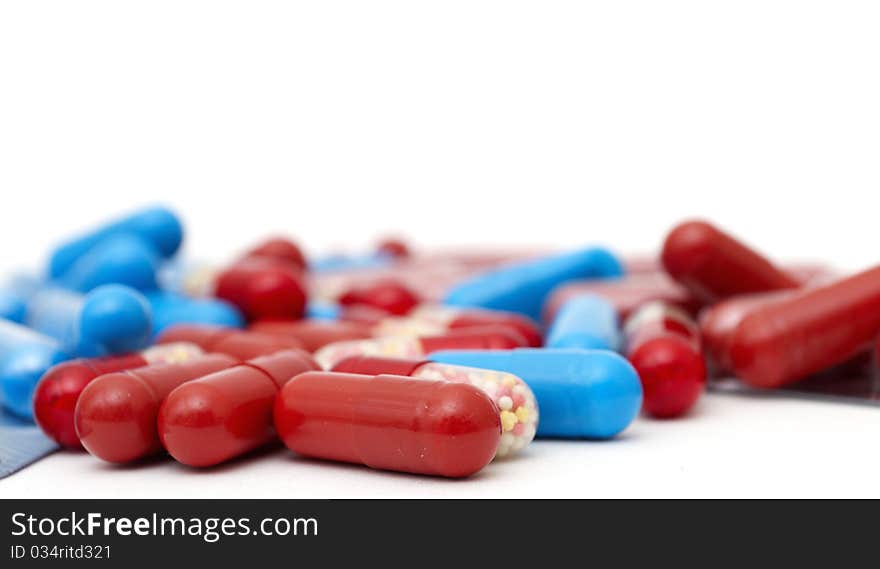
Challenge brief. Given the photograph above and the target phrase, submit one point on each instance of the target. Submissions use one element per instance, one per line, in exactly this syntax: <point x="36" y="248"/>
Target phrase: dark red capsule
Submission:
<point x="389" y="295"/>
<point x="242" y="344"/>
<point x="313" y="334"/>
<point x="263" y="288"/>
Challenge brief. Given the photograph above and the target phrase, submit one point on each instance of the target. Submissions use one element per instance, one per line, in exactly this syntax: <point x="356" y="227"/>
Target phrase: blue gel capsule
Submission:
<point x="111" y="319"/>
<point x="322" y="311"/>
<point x="156" y="226"/>
<point x="119" y="259"/>
<point x="523" y="287"/>
<point x="12" y="306"/>
<point x="25" y="355"/>
<point x="170" y="308"/>
<point x="588" y="321"/>
<point x="590" y="394"/>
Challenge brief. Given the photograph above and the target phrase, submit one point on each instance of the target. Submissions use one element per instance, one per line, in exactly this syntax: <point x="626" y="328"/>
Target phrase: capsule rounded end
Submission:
<point x="55" y="400"/>
<point x="115" y="418"/>
<point x="673" y="375"/>
<point x="20" y="371"/>
<point x="115" y="318"/>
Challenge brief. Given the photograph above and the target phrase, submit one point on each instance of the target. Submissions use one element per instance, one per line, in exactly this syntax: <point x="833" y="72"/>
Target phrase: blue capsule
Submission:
<point x="170" y="308"/>
<point x="332" y="263"/>
<point x="591" y="394"/>
<point x="317" y="310"/>
<point x="588" y="321"/>
<point x="156" y="226"/>
<point x="121" y="258"/>
<point x="111" y="319"/>
<point x="25" y="355"/>
<point x="523" y="287"/>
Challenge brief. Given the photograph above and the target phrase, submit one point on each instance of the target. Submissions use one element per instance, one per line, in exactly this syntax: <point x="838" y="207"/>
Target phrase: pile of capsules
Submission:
<point x="433" y="363"/>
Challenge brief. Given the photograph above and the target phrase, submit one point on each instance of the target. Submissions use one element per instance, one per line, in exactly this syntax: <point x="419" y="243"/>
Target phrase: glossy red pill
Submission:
<point x="217" y="417"/>
<point x="806" y="332"/>
<point x="389" y="295"/>
<point x="389" y="422"/>
<point x="396" y="248"/>
<point x="242" y="344"/>
<point x="312" y="334"/>
<point x="59" y="389"/>
<point x="263" y="288"/>
<point x="116" y="413"/>
<point x="713" y="265"/>
<point x="663" y="346"/>
<point x="279" y="249"/>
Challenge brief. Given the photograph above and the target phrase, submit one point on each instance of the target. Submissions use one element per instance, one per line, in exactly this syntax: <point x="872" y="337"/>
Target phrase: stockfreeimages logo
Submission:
<point x="209" y="529"/>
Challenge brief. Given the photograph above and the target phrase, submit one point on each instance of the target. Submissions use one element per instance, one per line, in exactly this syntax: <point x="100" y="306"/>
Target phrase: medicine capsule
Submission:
<point x="714" y="266"/>
<point x="25" y="355"/>
<point x="663" y="346"/>
<point x="388" y="295"/>
<point x="262" y="288"/>
<point x="489" y="337"/>
<point x="588" y="321"/>
<point x="226" y="414"/>
<point x="115" y="415"/>
<point x="313" y="334"/>
<point x="625" y="294"/>
<point x="109" y="320"/>
<point x="170" y="309"/>
<point x="389" y="422"/>
<point x="242" y="344"/>
<point x="524" y="286"/>
<point x="514" y="399"/>
<point x="718" y="322"/>
<point x="279" y="249"/>
<point x="591" y="394"/>
<point x="59" y="389"/>
<point x="394" y="248"/>
<point x="157" y="226"/>
<point x="119" y="259"/>
<point x="433" y="319"/>
<point x="812" y="329"/>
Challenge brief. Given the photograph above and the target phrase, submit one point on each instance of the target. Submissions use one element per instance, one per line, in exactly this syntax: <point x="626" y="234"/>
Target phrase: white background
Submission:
<point x="458" y="122"/>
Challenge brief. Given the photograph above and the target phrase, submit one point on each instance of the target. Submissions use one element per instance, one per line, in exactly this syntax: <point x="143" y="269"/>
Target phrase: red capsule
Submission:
<point x="242" y="344"/>
<point x="116" y="413"/>
<point x="625" y="294"/>
<point x="279" y="249"/>
<point x="389" y="422"/>
<point x="389" y="295"/>
<point x="718" y="322"/>
<point x="485" y="338"/>
<point x="392" y="247"/>
<point x="217" y="417"/>
<point x="806" y="332"/>
<point x="262" y="288"/>
<point x="714" y="266"/>
<point x="313" y="334"/>
<point x="663" y="346"/>
<point x="59" y="389"/>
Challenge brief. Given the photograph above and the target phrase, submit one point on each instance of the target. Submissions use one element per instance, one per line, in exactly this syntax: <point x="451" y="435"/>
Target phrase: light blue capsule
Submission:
<point x="331" y="263"/>
<point x="591" y="394"/>
<point x="121" y="258"/>
<point x="111" y="319"/>
<point x="585" y="321"/>
<point x="322" y="310"/>
<point x="25" y="355"/>
<point x="157" y="226"/>
<point x="523" y="287"/>
<point x="170" y="308"/>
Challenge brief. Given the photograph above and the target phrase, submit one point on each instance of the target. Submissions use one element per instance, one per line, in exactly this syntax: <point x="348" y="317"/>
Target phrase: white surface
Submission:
<point x="463" y="121"/>
<point x="732" y="446"/>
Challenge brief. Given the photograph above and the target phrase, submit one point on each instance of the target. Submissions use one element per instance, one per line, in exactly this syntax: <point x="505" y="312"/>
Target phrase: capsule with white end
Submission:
<point x="588" y="322"/>
<point x="523" y="287"/>
<point x="593" y="394"/>
<point x="515" y="401"/>
<point x="487" y="338"/>
<point x="25" y="355"/>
